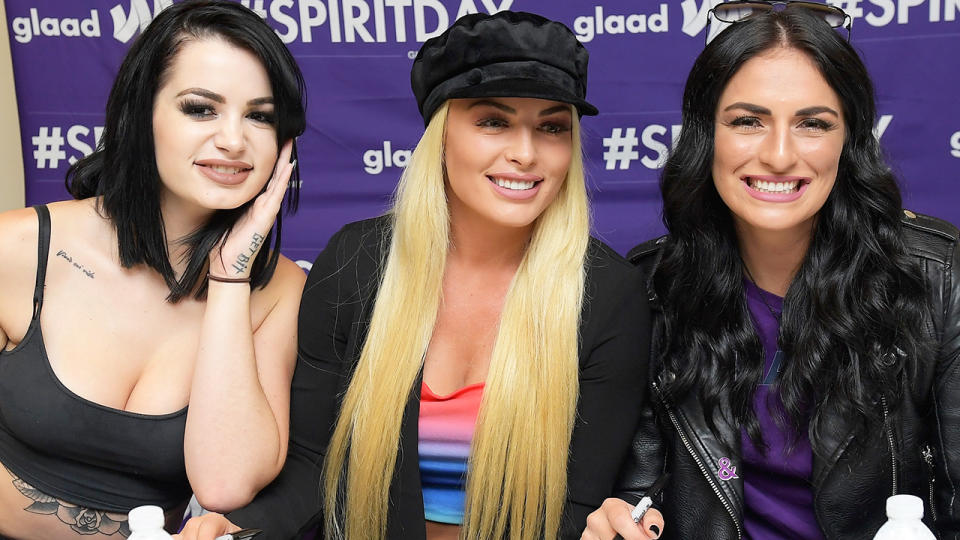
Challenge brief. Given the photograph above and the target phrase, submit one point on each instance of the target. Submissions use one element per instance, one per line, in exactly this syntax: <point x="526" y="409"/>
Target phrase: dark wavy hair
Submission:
<point x="852" y="320"/>
<point x="123" y="168"/>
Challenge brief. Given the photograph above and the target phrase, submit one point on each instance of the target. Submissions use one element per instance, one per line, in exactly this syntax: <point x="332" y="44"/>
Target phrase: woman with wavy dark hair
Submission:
<point x="147" y="328"/>
<point x="806" y="346"/>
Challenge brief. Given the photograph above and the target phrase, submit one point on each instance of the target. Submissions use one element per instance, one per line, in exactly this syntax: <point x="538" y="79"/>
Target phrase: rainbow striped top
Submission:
<point x="446" y="431"/>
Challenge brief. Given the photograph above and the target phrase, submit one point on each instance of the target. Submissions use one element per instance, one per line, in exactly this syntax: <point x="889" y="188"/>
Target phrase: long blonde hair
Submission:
<point x="517" y="479"/>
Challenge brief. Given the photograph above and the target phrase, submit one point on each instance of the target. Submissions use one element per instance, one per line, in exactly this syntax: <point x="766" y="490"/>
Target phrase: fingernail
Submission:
<point x="293" y="164"/>
<point x="655" y="530"/>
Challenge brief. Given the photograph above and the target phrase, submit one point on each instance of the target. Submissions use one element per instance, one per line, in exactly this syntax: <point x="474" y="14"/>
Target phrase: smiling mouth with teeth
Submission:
<point x="509" y="184"/>
<point x="763" y="186"/>
<point x="226" y="170"/>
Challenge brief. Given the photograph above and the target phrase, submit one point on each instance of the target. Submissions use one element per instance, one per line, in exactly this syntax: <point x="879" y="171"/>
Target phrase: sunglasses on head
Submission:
<point x="741" y="10"/>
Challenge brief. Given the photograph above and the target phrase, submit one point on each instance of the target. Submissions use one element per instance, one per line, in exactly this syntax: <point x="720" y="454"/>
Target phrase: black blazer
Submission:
<point x="334" y="316"/>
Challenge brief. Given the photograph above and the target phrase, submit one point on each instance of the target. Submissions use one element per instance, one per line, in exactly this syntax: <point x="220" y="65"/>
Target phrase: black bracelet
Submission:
<point x="227" y="279"/>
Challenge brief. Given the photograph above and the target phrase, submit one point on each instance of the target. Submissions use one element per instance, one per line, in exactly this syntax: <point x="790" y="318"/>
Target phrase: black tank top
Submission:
<point x="77" y="450"/>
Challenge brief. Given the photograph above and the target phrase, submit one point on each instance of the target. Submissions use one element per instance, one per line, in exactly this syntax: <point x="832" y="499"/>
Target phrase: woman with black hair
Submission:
<point x="807" y="334"/>
<point x="148" y="328"/>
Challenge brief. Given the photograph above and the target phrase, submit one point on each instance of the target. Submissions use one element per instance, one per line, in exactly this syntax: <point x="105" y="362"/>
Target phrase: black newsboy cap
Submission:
<point x="509" y="54"/>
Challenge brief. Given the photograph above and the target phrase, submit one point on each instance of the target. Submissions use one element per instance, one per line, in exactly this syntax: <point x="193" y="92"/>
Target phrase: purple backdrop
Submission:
<point x="362" y="119"/>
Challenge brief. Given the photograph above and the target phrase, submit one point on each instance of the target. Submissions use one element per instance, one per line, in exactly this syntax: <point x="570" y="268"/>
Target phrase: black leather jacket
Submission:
<point x="918" y="453"/>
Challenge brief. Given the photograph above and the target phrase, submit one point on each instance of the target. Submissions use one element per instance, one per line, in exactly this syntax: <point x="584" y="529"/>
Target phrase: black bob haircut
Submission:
<point x="852" y="319"/>
<point x="123" y="168"/>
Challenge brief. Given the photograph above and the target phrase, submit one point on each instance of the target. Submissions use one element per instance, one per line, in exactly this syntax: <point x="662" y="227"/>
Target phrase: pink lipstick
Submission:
<point x="224" y="172"/>
<point x="777" y="189"/>
<point x="515" y="186"/>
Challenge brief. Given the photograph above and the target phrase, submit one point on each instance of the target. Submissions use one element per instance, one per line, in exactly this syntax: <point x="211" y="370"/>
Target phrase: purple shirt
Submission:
<point x="776" y="484"/>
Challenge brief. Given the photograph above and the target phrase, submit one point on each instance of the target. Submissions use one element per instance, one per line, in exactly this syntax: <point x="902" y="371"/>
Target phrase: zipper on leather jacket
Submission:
<point x="889" y="430"/>
<point x="699" y="462"/>
<point x="927" y="454"/>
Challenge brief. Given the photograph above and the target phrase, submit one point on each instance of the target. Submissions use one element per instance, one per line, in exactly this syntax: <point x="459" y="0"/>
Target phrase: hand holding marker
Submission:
<point x="647" y="501"/>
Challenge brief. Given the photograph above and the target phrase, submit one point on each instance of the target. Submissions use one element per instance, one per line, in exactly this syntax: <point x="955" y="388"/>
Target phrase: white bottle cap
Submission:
<point x="904" y="507"/>
<point x="145" y="518"/>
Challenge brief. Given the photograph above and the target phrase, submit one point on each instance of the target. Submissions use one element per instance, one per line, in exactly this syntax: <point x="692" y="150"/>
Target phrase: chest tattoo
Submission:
<point x="86" y="271"/>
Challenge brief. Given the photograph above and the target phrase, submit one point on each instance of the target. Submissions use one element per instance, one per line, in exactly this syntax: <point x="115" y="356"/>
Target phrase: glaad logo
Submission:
<point x="955" y="145"/>
<point x="126" y="25"/>
<point x="874" y="12"/>
<point x="25" y="28"/>
<point x="695" y="17"/>
<point x="587" y="27"/>
<point x="882" y="124"/>
<point x="350" y="21"/>
<point x="376" y="160"/>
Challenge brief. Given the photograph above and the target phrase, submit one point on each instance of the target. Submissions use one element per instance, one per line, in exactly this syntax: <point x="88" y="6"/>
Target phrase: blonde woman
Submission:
<point x="471" y="363"/>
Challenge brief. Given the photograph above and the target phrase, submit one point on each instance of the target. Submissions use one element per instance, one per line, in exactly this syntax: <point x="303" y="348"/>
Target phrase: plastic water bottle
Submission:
<point x="904" y="520"/>
<point x="146" y="523"/>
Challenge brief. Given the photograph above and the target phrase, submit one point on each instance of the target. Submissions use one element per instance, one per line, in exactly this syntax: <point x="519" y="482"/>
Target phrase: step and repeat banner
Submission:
<point x="363" y="120"/>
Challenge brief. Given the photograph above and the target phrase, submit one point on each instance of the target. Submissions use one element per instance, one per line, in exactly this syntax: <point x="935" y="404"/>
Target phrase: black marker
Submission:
<point x="647" y="501"/>
<point x="242" y="534"/>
